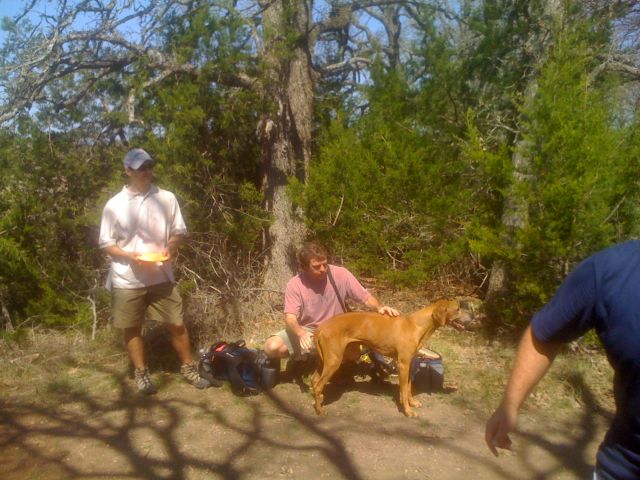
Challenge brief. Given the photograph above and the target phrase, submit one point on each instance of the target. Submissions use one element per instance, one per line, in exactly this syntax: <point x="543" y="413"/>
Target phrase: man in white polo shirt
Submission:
<point x="144" y="219"/>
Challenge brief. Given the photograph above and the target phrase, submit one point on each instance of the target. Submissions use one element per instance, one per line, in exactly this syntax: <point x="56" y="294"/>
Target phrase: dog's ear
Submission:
<point x="440" y="313"/>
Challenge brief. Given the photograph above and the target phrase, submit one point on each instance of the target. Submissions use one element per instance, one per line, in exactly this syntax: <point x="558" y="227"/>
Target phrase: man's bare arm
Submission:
<point x="532" y="362"/>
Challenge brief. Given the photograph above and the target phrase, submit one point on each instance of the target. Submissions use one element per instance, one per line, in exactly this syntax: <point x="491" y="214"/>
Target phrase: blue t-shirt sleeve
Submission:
<point x="571" y="312"/>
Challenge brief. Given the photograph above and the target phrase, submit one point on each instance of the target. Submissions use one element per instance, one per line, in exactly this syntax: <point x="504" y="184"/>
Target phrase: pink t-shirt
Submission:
<point x="313" y="301"/>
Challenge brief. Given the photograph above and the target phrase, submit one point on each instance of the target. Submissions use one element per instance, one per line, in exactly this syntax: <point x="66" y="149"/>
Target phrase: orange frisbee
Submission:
<point x="153" y="257"/>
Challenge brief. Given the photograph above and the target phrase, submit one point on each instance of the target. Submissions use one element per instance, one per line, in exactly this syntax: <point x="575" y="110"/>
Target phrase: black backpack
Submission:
<point x="234" y="362"/>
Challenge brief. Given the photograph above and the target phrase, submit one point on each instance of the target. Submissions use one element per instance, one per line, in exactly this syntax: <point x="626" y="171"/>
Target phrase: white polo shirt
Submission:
<point x="140" y="223"/>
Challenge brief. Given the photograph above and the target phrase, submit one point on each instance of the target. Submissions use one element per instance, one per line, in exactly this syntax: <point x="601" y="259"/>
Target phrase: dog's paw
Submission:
<point x="320" y="411"/>
<point x="415" y="403"/>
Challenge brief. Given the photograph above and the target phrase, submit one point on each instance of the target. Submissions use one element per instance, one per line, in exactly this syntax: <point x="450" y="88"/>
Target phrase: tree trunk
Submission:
<point x="285" y="134"/>
<point x="515" y="210"/>
<point x="515" y="213"/>
<point x="8" y="325"/>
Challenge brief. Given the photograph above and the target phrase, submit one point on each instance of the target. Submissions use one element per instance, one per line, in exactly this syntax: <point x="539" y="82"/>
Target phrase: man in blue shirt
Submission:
<point x="603" y="293"/>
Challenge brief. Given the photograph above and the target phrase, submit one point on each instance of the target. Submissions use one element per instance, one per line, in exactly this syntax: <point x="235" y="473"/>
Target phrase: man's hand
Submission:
<point x="501" y="423"/>
<point x="115" y="251"/>
<point x="306" y="341"/>
<point x="374" y="305"/>
<point x="172" y="246"/>
<point x="533" y="359"/>
<point x="386" y="310"/>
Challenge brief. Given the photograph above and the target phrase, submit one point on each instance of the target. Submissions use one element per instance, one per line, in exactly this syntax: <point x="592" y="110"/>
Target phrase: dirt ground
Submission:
<point x="90" y="425"/>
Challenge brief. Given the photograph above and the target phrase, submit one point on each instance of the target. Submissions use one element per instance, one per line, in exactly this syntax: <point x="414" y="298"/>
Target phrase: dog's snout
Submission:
<point x="461" y="319"/>
<point x="464" y="317"/>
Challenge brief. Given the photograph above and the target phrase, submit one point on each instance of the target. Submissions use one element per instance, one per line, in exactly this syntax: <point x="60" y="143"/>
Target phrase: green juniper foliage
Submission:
<point x="579" y="185"/>
<point x="48" y="261"/>
<point x="384" y="194"/>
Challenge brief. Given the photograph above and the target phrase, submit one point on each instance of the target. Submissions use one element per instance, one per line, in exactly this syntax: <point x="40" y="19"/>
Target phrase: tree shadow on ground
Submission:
<point x="160" y="436"/>
<point x="37" y="430"/>
<point x="359" y="378"/>
<point x="33" y="429"/>
<point x="567" y="443"/>
<point x="334" y="391"/>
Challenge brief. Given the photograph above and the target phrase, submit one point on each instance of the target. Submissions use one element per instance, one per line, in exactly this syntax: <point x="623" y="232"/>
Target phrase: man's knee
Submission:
<point x="274" y="347"/>
<point x="178" y="330"/>
<point x="132" y="332"/>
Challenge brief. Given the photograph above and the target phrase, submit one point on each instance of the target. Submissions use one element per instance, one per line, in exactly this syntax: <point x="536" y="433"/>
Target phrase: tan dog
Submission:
<point x="396" y="337"/>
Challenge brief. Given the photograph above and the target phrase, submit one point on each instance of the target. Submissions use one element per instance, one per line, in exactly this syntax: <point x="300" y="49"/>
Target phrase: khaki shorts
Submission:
<point x="291" y="340"/>
<point x="159" y="302"/>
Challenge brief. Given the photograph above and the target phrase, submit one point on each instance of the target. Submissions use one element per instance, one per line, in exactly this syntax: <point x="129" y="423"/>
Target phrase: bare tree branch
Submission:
<point x="92" y="41"/>
<point x="41" y="59"/>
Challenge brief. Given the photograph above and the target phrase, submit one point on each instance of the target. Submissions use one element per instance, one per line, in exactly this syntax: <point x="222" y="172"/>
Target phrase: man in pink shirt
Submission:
<point x="310" y="299"/>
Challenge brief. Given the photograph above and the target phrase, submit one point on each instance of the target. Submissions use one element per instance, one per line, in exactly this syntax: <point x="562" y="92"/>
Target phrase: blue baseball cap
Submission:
<point x="135" y="158"/>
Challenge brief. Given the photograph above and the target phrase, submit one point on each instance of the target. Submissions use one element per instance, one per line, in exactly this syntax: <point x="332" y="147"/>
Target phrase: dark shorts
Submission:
<point x="161" y="302"/>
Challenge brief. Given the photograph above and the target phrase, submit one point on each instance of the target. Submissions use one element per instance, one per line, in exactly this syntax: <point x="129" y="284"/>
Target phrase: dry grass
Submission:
<point x="247" y="314"/>
<point x="61" y="363"/>
<point x="479" y="369"/>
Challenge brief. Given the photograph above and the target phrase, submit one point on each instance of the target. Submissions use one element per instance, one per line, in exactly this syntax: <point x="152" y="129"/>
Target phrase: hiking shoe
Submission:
<point x="143" y="382"/>
<point x="190" y="372"/>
